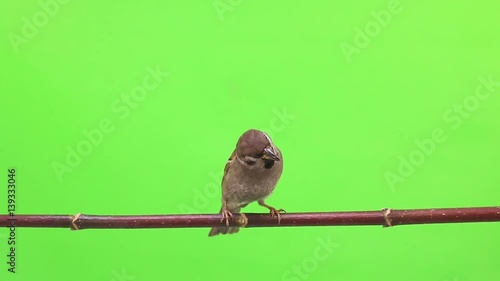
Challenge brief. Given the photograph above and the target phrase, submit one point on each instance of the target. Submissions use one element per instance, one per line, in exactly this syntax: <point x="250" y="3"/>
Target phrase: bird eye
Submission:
<point x="250" y="162"/>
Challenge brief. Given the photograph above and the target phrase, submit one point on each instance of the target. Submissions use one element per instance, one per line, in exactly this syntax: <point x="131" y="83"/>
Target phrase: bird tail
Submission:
<point x="225" y="229"/>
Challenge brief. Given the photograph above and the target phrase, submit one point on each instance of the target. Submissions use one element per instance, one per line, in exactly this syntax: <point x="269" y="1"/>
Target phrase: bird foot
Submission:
<point x="243" y="220"/>
<point x="226" y="215"/>
<point x="276" y="213"/>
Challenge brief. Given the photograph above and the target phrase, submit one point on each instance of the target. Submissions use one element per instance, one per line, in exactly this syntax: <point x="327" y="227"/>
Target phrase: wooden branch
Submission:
<point x="385" y="217"/>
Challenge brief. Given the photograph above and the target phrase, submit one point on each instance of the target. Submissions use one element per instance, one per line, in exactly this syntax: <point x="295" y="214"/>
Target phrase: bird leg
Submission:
<point x="243" y="221"/>
<point x="274" y="212"/>
<point x="226" y="214"/>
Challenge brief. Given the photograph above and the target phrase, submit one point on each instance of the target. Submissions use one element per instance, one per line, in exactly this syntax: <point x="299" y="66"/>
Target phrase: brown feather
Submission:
<point x="248" y="177"/>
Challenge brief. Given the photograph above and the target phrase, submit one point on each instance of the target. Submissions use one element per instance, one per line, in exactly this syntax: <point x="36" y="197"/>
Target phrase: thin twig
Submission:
<point x="385" y="217"/>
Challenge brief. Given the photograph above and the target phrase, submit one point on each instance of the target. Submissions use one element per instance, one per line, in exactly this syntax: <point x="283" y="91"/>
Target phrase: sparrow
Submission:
<point x="250" y="175"/>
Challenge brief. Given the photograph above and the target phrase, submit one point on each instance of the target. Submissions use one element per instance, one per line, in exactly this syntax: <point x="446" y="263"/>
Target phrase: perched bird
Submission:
<point x="250" y="175"/>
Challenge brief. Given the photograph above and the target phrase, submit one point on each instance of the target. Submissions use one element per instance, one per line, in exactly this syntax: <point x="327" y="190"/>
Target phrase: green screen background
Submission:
<point x="343" y="90"/>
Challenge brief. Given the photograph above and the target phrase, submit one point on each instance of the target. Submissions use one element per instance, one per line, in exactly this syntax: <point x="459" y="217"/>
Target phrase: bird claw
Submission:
<point x="276" y="213"/>
<point x="226" y="215"/>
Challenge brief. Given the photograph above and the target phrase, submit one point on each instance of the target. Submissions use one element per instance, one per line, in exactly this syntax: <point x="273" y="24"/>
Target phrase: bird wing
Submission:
<point x="228" y="165"/>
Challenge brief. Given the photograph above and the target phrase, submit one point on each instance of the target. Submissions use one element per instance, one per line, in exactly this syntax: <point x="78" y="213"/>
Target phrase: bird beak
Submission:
<point x="270" y="153"/>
